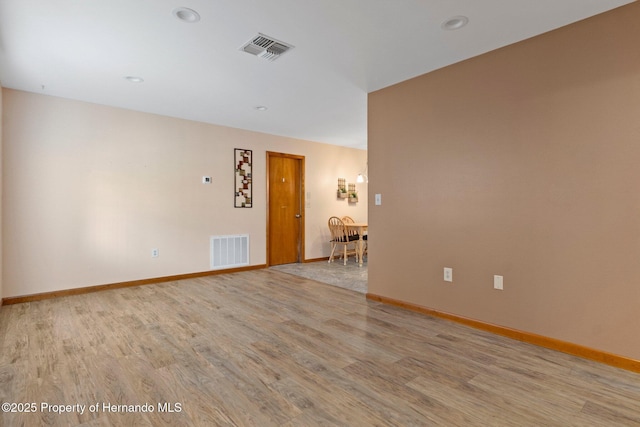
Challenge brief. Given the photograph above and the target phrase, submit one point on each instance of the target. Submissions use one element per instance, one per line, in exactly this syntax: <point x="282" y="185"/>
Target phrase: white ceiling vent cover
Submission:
<point x="266" y="47"/>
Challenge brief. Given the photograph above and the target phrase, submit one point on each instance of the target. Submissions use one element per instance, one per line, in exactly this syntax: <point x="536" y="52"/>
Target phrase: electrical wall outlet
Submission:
<point x="448" y="274"/>
<point x="155" y="253"/>
<point x="498" y="282"/>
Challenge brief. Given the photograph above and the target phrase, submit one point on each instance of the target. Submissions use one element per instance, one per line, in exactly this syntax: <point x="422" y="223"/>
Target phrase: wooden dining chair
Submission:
<point x="352" y="232"/>
<point x="341" y="237"/>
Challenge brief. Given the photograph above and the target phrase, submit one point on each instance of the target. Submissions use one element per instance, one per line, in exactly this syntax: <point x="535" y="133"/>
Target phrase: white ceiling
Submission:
<point x="83" y="49"/>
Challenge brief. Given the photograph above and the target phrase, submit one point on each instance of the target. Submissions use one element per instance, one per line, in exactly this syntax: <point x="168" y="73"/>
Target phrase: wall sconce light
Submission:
<point x="362" y="176"/>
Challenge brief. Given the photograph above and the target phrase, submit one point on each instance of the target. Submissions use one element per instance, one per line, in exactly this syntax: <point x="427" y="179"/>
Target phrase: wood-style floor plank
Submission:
<point x="266" y="348"/>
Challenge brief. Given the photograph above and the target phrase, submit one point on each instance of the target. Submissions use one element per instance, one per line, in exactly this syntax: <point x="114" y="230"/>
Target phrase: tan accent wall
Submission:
<point x="1" y="192"/>
<point x="89" y="190"/>
<point x="523" y="162"/>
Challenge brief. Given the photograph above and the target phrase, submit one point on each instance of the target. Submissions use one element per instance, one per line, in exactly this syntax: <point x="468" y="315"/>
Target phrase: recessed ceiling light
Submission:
<point x="134" y="79"/>
<point x="261" y="108"/>
<point x="455" y="23"/>
<point x="187" y="15"/>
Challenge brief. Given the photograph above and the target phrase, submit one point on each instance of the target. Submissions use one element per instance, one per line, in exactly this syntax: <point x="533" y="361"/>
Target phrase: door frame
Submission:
<point x="301" y="237"/>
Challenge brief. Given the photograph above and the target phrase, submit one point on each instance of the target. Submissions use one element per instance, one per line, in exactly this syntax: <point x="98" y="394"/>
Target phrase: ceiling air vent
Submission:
<point x="266" y="47"/>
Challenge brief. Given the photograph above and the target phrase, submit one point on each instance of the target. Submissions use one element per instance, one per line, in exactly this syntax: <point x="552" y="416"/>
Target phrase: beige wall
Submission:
<point x="523" y="162"/>
<point x="1" y="185"/>
<point x="89" y="190"/>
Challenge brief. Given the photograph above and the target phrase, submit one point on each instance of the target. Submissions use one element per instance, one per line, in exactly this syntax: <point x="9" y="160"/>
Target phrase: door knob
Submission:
<point x="298" y="215"/>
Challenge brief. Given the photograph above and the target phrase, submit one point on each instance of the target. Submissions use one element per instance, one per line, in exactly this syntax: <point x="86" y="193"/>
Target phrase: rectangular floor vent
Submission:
<point x="229" y="251"/>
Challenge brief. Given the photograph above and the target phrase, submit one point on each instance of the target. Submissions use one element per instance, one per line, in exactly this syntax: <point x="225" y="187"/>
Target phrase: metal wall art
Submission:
<point x="243" y="187"/>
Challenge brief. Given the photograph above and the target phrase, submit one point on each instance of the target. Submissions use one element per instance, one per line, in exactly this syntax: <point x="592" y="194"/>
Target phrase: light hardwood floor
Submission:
<point x="266" y="348"/>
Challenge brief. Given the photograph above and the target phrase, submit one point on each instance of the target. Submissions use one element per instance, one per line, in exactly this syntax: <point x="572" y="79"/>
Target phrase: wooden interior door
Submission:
<point x="285" y="215"/>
